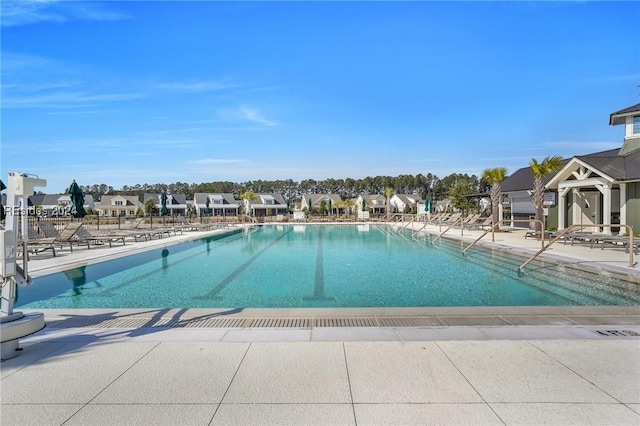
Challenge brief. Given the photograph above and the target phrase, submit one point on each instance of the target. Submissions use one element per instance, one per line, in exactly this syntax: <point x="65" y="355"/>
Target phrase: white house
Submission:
<point x="373" y="203"/>
<point x="401" y="202"/>
<point x="219" y="204"/>
<point x="118" y="205"/>
<point x="266" y="205"/>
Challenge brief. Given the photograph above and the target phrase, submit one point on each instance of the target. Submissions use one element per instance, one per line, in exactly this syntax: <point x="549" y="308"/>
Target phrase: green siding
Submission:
<point x="633" y="206"/>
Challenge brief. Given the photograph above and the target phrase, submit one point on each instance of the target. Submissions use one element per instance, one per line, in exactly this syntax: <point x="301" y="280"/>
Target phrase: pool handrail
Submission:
<point x="495" y="224"/>
<point x="597" y="225"/>
<point x="450" y="226"/>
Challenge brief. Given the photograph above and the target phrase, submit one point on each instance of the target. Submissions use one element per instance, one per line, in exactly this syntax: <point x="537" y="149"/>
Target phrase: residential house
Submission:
<point x="176" y="203"/>
<point x="403" y="203"/>
<point x="597" y="188"/>
<point x="319" y="200"/>
<point x="118" y="205"/>
<point x="604" y="187"/>
<point x="53" y="204"/>
<point x="266" y="205"/>
<point x="517" y="202"/>
<point x="376" y="204"/>
<point x="219" y="204"/>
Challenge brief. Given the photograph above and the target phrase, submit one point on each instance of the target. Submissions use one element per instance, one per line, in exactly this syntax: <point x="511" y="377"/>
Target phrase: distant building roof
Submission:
<point x="619" y="117"/>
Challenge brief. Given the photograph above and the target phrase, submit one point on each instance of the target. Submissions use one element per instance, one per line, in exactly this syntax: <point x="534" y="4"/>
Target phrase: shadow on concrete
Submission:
<point x="69" y="336"/>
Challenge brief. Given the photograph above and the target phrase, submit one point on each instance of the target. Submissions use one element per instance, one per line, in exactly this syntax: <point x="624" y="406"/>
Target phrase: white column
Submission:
<point x="562" y="192"/>
<point x="575" y="207"/>
<point x="606" y="206"/>
<point x="623" y="205"/>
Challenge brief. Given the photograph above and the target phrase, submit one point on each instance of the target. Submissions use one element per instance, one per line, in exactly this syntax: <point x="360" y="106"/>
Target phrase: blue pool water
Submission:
<point x="316" y="266"/>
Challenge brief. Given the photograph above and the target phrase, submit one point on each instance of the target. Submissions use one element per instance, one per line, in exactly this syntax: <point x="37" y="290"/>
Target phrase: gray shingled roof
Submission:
<point x="618" y="116"/>
<point x="616" y="166"/>
<point x="608" y="162"/>
<point x="174" y="199"/>
<point x="522" y="179"/>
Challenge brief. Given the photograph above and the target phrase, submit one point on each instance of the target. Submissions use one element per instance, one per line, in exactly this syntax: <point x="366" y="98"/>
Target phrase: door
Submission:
<point x="587" y="211"/>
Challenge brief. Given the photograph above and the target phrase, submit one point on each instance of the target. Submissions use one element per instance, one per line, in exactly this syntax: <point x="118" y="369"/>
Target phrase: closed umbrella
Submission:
<point x="163" y="204"/>
<point x="364" y="204"/>
<point x="309" y="205"/>
<point x="77" y="201"/>
<point x="207" y="210"/>
<point x="427" y="207"/>
<point x="329" y="206"/>
<point x="2" y="188"/>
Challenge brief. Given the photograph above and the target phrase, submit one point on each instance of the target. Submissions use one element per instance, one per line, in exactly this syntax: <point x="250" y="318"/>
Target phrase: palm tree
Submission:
<point x="541" y="170"/>
<point x="495" y="177"/>
<point x="247" y="197"/>
<point x="348" y="204"/>
<point x="388" y="192"/>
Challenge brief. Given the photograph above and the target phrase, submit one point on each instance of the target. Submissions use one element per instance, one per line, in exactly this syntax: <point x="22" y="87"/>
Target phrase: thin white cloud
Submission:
<point x="498" y="159"/>
<point x="583" y="146"/>
<point x="199" y="86"/>
<point x="217" y="161"/>
<point x="65" y="99"/>
<point x="256" y="116"/>
<point x="24" y="12"/>
<point x="610" y="78"/>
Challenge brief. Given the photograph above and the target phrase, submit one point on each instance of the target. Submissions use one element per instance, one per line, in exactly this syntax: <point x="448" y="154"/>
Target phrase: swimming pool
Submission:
<point x="287" y="266"/>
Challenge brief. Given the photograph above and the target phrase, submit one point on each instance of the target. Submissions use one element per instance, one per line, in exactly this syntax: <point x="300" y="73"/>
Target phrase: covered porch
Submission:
<point x="588" y="196"/>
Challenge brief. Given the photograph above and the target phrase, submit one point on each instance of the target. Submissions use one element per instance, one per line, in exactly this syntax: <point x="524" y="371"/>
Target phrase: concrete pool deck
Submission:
<point x="502" y="365"/>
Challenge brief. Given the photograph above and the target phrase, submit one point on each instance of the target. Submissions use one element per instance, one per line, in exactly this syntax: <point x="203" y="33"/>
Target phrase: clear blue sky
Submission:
<point x="122" y="92"/>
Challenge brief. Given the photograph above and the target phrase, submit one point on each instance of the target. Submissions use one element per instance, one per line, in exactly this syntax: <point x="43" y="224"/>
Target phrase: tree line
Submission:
<point x="454" y="187"/>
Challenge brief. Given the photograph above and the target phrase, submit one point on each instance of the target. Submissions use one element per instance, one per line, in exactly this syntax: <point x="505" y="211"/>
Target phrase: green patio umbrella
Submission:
<point x="329" y="205"/>
<point x="163" y="204"/>
<point x="364" y="204"/>
<point x="207" y="210"/>
<point x="2" y="188"/>
<point x="427" y="205"/>
<point x="77" y="201"/>
<point x="309" y="205"/>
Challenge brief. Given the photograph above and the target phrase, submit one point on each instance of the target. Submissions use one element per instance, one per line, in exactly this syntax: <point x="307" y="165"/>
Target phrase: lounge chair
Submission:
<point x="65" y="236"/>
<point x="616" y="241"/>
<point x="532" y="233"/>
<point x="451" y="220"/>
<point x="134" y="230"/>
<point x="85" y="236"/>
<point x="37" y="243"/>
<point x="480" y="223"/>
<point x="468" y="220"/>
<point x="186" y="226"/>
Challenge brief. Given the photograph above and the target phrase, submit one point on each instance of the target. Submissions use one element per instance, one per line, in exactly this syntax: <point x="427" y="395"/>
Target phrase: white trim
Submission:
<point x="582" y="183"/>
<point x="570" y="169"/>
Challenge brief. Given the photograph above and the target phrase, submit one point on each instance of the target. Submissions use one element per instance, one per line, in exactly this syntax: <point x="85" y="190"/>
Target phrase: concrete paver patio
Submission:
<point x="508" y="365"/>
<point x="126" y="382"/>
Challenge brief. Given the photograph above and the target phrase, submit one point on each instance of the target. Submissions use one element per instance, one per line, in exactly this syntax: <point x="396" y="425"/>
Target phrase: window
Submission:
<point x="636" y="125"/>
<point x="117" y="203"/>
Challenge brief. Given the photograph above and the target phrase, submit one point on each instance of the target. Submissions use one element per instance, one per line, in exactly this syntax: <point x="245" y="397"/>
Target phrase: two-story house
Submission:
<point x="118" y="205"/>
<point x="314" y="202"/>
<point x="176" y="203"/>
<point x="218" y="204"/>
<point x="376" y="204"/>
<point x="266" y="205"/>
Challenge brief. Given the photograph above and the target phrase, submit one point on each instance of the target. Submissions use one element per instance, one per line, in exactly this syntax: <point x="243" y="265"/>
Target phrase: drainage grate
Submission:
<point x="410" y="322"/>
<point x="113" y="323"/>
<point x="280" y="323"/>
<point x="617" y="333"/>
<point x="213" y="323"/>
<point x="346" y="322"/>
<point x="267" y="322"/>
